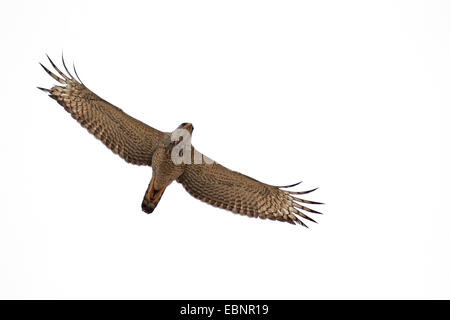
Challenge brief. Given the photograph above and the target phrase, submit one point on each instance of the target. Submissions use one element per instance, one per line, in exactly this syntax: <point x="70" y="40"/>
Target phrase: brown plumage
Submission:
<point x="140" y="144"/>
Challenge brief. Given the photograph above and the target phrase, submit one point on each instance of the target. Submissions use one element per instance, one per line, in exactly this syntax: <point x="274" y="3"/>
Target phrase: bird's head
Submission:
<point x="182" y="132"/>
<point x="186" y="126"/>
<point x="178" y="141"/>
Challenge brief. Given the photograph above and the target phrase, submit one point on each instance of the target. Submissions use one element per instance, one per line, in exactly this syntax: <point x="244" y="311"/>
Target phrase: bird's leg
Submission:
<point x="152" y="197"/>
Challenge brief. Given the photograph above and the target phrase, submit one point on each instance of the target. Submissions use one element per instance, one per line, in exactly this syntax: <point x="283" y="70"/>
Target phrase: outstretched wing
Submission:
<point x="238" y="193"/>
<point x="126" y="136"/>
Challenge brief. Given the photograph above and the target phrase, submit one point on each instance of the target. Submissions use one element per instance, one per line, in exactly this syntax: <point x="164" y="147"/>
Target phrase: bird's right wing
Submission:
<point x="131" y="139"/>
<point x="238" y="193"/>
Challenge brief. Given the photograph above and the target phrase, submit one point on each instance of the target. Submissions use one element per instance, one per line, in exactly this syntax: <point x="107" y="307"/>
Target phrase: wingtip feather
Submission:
<point x="43" y="89"/>
<point x="289" y="186"/>
<point x="303" y="192"/>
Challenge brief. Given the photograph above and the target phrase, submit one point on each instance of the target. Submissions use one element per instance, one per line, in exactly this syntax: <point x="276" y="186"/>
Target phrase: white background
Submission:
<point x="350" y="96"/>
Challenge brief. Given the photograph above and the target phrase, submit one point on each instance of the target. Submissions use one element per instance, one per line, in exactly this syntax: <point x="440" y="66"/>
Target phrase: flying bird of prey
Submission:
<point x="171" y="160"/>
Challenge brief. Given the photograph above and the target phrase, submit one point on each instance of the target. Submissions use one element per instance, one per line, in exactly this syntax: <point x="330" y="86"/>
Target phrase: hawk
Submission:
<point x="173" y="158"/>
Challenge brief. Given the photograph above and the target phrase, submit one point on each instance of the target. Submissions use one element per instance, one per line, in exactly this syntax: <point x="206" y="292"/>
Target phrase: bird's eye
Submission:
<point x="181" y="153"/>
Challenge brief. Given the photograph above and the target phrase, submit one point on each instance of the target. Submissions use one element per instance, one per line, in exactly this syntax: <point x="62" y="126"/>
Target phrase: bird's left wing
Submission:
<point x="131" y="139"/>
<point x="238" y="193"/>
